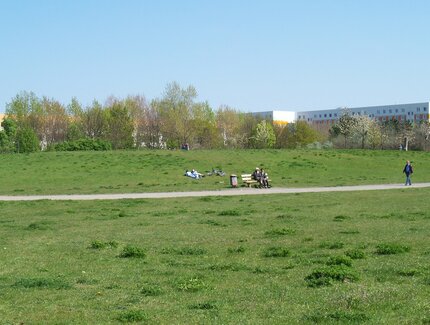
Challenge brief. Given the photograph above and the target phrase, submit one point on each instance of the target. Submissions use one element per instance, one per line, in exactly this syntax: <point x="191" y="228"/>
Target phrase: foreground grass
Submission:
<point x="157" y="171"/>
<point x="329" y="258"/>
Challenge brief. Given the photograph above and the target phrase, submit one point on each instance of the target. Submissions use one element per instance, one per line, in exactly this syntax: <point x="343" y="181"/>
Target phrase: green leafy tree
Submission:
<point x="119" y="126"/>
<point x="26" y="140"/>
<point x="264" y="136"/>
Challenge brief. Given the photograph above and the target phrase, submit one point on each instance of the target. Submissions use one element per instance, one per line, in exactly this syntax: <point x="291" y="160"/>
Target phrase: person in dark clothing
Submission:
<point x="408" y="170"/>
<point x="256" y="175"/>
<point x="264" y="179"/>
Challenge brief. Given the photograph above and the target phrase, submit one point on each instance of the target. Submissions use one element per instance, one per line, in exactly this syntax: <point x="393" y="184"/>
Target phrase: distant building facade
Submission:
<point x="413" y="112"/>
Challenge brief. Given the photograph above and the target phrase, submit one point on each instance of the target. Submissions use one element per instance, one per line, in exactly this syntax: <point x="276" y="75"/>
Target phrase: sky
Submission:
<point x="246" y="54"/>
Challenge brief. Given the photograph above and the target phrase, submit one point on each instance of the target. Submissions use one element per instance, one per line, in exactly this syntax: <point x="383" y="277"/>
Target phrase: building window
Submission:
<point x="320" y="115"/>
<point x="418" y="109"/>
<point x="424" y="109"/>
<point x="403" y="110"/>
<point x="335" y="114"/>
<point x="390" y="111"/>
<point x="397" y="110"/>
<point x="378" y="112"/>
<point x="383" y="111"/>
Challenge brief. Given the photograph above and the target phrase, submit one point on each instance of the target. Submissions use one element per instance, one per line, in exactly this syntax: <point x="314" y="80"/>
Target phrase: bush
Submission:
<point x="132" y="251"/>
<point x="26" y="141"/>
<point x="391" y="249"/>
<point x="82" y="145"/>
<point x="325" y="276"/>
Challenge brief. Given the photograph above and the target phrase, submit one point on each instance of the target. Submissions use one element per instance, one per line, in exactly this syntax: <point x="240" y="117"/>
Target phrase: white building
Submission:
<point x="414" y="112"/>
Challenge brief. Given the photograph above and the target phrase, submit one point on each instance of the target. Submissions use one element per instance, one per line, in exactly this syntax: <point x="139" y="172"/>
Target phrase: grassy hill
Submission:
<point x="155" y="171"/>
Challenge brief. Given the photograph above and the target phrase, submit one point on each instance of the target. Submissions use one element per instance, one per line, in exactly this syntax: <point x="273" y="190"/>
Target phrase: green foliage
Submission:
<point x="264" y="136"/>
<point x="132" y="316"/>
<point x="276" y="252"/>
<point x="85" y="144"/>
<point x="98" y="244"/>
<point x="133" y="252"/>
<point x="355" y="254"/>
<point x="325" y="276"/>
<point x="391" y="249"/>
<point x="26" y="141"/>
<point x="192" y="284"/>
<point x="339" y="260"/>
<point x="42" y="283"/>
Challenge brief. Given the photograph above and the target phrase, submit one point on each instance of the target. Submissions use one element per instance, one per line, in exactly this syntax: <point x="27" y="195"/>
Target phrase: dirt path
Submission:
<point x="226" y="192"/>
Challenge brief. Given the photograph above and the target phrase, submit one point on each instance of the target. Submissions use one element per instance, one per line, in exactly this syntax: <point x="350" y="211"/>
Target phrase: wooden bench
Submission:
<point x="248" y="180"/>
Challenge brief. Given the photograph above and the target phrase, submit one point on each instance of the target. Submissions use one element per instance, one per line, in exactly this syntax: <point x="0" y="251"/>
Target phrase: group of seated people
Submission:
<point x="261" y="176"/>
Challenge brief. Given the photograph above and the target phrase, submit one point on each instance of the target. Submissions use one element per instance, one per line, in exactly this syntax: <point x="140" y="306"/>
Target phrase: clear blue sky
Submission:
<point x="250" y="55"/>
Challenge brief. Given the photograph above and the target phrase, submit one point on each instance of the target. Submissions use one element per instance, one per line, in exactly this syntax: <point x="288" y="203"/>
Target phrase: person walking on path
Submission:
<point x="408" y="170"/>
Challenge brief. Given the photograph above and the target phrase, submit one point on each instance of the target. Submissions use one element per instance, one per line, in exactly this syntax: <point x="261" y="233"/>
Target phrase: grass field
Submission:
<point x="158" y="171"/>
<point x="357" y="257"/>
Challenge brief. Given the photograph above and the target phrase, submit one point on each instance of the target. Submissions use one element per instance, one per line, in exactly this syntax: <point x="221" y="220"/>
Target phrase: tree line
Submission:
<point x="175" y="119"/>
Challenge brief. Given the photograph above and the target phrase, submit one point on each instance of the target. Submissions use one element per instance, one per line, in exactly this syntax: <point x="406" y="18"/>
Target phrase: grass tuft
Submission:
<point x="325" y="276"/>
<point x="131" y="251"/>
<point x="276" y="252"/>
<point x="132" y="316"/>
<point x="391" y="249"/>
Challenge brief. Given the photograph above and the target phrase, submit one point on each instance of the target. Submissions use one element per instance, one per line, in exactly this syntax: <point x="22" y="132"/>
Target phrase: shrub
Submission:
<point x="277" y="252"/>
<point x="132" y="316"/>
<point x="132" y="251"/>
<point x="391" y="249"/>
<point x="355" y="254"/>
<point x="340" y="260"/>
<point x="82" y="145"/>
<point x="325" y="276"/>
<point x="26" y="140"/>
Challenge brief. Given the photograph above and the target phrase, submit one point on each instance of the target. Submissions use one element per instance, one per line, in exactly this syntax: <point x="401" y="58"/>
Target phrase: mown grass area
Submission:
<point x="158" y="171"/>
<point x="329" y="258"/>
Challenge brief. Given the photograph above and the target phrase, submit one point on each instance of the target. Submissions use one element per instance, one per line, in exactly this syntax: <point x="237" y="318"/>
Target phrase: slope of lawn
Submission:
<point x="328" y="258"/>
<point x="158" y="171"/>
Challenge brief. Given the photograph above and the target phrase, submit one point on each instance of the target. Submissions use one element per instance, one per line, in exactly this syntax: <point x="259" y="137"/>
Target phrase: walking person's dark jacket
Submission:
<point x="408" y="170"/>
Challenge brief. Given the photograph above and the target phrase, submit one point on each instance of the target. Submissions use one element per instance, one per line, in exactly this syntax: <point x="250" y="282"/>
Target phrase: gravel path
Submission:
<point x="226" y="192"/>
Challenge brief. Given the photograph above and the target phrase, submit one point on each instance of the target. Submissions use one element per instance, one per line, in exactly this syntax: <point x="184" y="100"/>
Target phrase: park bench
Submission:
<point x="249" y="181"/>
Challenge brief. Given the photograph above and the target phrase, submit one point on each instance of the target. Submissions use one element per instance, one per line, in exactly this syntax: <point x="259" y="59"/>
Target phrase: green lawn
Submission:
<point x="277" y="259"/>
<point x="158" y="171"/>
